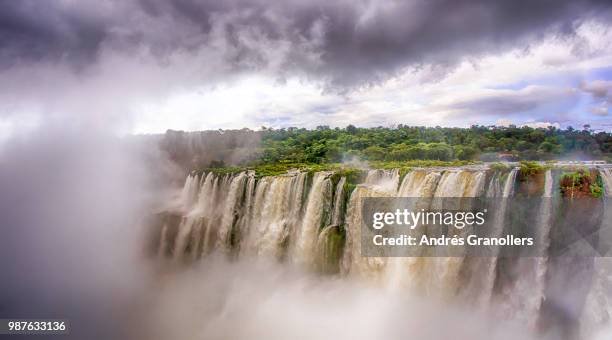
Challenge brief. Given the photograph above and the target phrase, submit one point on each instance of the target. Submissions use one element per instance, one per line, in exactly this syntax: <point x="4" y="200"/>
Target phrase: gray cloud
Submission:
<point x="345" y="43"/>
<point x="508" y="102"/>
<point x="600" y="89"/>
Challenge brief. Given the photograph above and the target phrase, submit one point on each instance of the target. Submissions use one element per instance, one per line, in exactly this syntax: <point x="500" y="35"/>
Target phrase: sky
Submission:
<point x="145" y="66"/>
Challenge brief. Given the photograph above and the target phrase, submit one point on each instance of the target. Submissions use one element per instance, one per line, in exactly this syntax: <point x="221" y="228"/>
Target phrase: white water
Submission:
<point x="276" y="212"/>
<point x="383" y="180"/>
<point x="318" y="202"/>
<point x="596" y="322"/>
<point x="235" y="192"/>
<point x="286" y="218"/>
<point x="353" y="263"/>
<point x="407" y="272"/>
<point x="442" y="273"/>
<point x="337" y="216"/>
<point x="482" y="271"/>
<point x="606" y="176"/>
<point x="522" y="298"/>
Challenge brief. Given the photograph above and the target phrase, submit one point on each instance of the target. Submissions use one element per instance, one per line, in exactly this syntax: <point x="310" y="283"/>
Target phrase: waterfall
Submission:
<point x="522" y="298"/>
<point x="406" y="272"/>
<point x="163" y="242"/>
<point x="276" y="212"/>
<point x="195" y="202"/>
<point x="318" y="204"/>
<point x="352" y="262"/>
<point x="480" y="273"/>
<point x="235" y="192"/>
<point x="543" y="229"/>
<point x="329" y="247"/>
<point x="378" y="183"/>
<point x="312" y="221"/>
<point x="606" y="176"/>
<point x="338" y="216"/>
<point x="245" y="213"/>
<point x="598" y="305"/>
<point x="330" y="240"/>
<point x="442" y="273"/>
<point x="189" y="193"/>
<point x="383" y="180"/>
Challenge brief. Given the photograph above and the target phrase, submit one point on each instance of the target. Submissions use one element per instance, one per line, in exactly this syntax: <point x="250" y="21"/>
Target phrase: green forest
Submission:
<point x="404" y="143"/>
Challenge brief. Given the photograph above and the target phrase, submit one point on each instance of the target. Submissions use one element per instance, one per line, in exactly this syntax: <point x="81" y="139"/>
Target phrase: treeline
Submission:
<point x="488" y="143"/>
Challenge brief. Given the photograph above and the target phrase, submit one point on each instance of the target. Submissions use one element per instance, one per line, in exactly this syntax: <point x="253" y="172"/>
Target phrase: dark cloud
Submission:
<point x="39" y="31"/>
<point x="347" y="43"/>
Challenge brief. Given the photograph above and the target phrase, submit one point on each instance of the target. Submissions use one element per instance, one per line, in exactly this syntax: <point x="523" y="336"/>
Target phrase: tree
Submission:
<point x="374" y="153"/>
<point x="546" y="147"/>
<point x="465" y="153"/>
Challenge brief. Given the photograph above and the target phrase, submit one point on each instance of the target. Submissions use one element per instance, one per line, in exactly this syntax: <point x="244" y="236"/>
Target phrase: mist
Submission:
<point x="72" y="201"/>
<point x="261" y="299"/>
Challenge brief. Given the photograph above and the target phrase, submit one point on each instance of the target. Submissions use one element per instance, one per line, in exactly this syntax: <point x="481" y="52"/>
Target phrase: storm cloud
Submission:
<point x="342" y="43"/>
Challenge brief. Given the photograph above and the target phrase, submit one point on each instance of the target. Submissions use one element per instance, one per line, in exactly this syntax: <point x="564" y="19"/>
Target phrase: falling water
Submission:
<point x="189" y="193"/>
<point x="383" y="180"/>
<point x="606" y="176"/>
<point x="314" y="217"/>
<point x="338" y="214"/>
<point x="406" y="272"/>
<point x="522" y="298"/>
<point x="234" y="194"/>
<point x="480" y="272"/>
<point x="276" y="212"/>
<point x="378" y="183"/>
<point x="543" y="225"/>
<point x="305" y="219"/>
<point x="442" y="273"/>
<point x="163" y="243"/>
<point x="598" y="306"/>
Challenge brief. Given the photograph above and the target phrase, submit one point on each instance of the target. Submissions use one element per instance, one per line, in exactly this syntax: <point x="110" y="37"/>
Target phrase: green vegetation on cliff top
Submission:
<point x="342" y="169"/>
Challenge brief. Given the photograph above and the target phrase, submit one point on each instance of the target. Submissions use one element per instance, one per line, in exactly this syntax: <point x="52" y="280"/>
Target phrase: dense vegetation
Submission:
<point x="276" y="150"/>
<point x="323" y="144"/>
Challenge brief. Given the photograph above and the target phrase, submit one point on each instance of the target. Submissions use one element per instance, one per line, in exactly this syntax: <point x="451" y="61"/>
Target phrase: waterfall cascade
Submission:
<point x="313" y="220"/>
